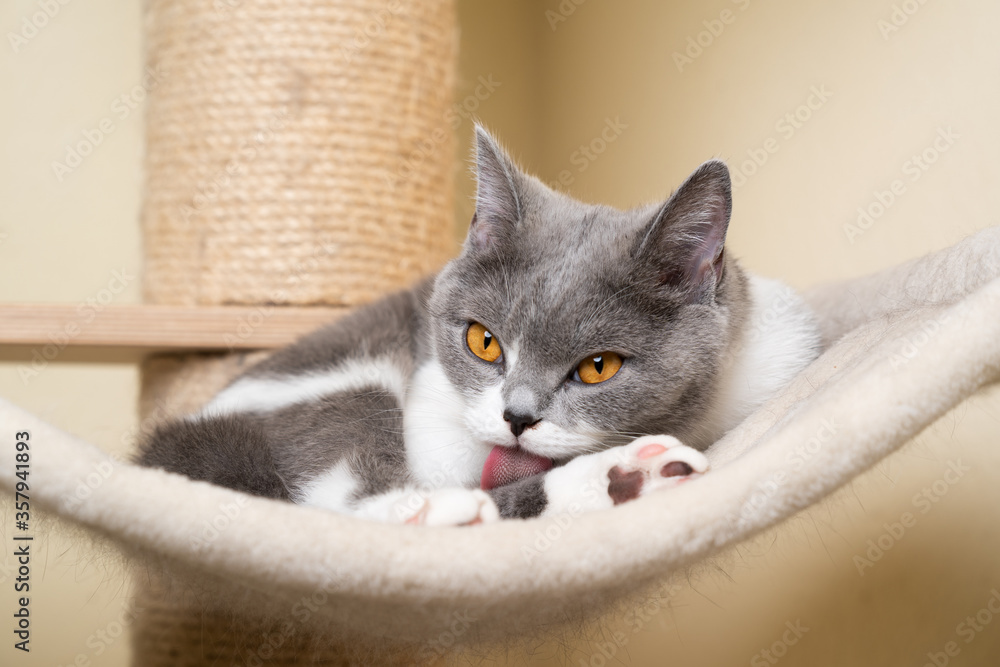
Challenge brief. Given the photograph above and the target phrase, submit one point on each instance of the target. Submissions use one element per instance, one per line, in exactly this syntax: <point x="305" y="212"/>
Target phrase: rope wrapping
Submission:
<point x="297" y="152"/>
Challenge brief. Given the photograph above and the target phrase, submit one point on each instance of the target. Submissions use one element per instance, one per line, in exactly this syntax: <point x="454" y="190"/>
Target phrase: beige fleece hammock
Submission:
<point x="351" y="178"/>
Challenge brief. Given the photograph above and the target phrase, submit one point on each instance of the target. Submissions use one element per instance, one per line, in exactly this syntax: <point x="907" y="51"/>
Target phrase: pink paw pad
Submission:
<point x="651" y="450"/>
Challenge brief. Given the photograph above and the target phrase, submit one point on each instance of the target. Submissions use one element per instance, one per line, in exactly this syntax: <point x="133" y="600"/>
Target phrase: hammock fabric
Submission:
<point x="905" y="346"/>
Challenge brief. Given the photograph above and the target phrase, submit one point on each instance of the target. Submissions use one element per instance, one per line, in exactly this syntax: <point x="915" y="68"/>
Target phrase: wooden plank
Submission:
<point x="159" y="328"/>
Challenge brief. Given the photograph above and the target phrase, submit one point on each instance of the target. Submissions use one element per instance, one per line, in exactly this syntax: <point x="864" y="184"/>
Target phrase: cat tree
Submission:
<point x="299" y="156"/>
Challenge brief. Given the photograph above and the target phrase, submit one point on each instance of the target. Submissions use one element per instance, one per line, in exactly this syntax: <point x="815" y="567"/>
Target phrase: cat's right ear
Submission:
<point x="684" y="243"/>
<point x="498" y="194"/>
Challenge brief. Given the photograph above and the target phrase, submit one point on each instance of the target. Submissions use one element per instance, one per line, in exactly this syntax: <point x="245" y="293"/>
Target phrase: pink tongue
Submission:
<point x="505" y="465"/>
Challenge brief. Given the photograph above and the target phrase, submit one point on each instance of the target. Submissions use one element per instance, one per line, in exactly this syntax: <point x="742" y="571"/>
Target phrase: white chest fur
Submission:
<point x="439" y="450"/>
<point x="780" y="339"/>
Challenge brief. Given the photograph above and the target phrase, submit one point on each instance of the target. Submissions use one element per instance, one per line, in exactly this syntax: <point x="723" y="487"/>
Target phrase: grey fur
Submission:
<point x="562" y="278"/>
<point x="230" y="451"/>
<point x="523" y="499"/>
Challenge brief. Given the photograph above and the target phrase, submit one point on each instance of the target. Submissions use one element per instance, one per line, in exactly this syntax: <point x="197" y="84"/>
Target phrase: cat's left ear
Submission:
<point x="684" y="244"/>
<point x="498" y="194"/>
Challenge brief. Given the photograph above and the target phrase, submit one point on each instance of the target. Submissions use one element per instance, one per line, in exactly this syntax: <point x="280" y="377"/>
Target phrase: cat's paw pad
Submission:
<point x="650" y="463"/>
<point x="455" y="507"/>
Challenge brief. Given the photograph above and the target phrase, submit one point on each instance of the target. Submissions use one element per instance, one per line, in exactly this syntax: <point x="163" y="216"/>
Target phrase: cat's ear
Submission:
<point x="684" y="244"/>
<point x="498" y="194"/>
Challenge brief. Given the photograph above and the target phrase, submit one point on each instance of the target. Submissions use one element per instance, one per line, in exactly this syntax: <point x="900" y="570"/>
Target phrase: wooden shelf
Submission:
<point x="159" y="328"/>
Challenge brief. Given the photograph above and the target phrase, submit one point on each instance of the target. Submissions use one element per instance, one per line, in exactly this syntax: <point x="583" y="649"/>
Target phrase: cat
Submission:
<point x="530" y="377"/>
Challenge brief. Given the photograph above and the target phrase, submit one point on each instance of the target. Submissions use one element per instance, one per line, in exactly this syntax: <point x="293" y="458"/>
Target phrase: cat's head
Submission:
<point x="568" y="327"/>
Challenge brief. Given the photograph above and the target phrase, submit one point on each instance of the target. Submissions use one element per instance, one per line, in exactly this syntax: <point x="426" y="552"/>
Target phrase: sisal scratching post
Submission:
<point x="298" y="153"/>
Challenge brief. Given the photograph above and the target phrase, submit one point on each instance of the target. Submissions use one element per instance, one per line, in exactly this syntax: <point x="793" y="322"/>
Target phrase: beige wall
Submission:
<point x="60" y="241"/>
<point x="502" y="43"/>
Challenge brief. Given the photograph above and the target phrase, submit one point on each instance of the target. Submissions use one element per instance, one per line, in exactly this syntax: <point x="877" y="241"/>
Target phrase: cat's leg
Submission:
<point x="439" y="507"/>
<point x="228" y="450"/>
<point x="414" y="506"/>
<point x="603" y="479"/>
<point x="617" y="475"/>
<point x="590" y="482"/>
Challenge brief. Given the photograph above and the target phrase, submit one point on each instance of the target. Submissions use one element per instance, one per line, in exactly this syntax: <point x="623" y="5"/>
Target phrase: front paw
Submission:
<point x="617" y="475"/>
<point x="650" y="463"/>
<point x="455" y="507"/>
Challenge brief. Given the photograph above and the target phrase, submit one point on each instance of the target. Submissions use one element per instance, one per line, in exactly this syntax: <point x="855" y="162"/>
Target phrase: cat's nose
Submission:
<point x="518" y="422"/>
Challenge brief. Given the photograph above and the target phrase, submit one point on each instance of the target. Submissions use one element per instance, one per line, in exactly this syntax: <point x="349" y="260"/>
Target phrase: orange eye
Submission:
<point x="599" y="367"/>
<point x="482" y="343"/>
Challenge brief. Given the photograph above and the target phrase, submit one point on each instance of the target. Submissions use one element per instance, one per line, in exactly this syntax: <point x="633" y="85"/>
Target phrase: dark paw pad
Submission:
<point x="624" y="486"/>
<point x="676" y="469"/>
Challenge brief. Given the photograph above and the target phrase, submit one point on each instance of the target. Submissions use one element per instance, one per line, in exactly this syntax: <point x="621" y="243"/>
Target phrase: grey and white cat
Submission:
<point x="529" y="377"/>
